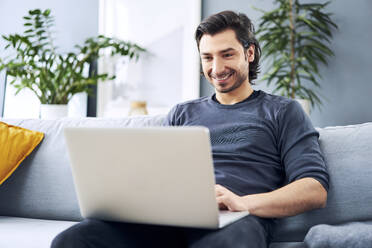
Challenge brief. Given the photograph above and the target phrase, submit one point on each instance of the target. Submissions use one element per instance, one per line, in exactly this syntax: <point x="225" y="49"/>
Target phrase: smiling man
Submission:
<point x="225" y="64"/>
<point x="265" y="150"/>
<point x="266" y="153"/>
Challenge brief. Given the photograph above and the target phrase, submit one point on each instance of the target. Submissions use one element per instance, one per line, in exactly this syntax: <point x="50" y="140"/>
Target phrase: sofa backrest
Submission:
<point x="347" y="152"/>
<point x="42" y="186"/>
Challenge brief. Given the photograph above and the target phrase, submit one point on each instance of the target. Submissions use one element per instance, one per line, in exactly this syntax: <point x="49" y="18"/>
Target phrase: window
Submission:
<point x="169" y="73"/>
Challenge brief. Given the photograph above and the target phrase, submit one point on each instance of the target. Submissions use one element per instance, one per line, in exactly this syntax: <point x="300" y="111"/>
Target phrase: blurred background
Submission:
<point x="169" y="72"/>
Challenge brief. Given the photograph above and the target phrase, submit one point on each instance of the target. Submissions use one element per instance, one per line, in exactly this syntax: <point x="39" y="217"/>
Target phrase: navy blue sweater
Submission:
<point x="259" y="144"/>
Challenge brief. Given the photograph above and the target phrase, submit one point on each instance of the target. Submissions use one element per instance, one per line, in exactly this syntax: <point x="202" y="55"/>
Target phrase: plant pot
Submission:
<point x="305" y="104"/>
<point x="53" y="111"/>
<point x="137" y="108"/>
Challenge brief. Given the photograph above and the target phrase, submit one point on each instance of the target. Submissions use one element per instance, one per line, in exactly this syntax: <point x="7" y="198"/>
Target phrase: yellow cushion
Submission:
<point x="16" y="144"/>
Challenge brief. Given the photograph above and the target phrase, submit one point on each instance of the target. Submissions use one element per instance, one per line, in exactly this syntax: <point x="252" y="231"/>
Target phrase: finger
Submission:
<point x="222" y="206"/>
<point x="220" y="203"/>
<point x="218" y="192"/>
<point x="227" y="202"/>
<point x="220" y="188"/>
<point x="231" y="203"/>
<point x="224" y="200"/>
<point x="223" y="189"/>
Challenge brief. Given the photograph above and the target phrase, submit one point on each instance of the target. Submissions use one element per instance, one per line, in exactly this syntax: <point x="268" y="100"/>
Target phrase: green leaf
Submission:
<point x="52" y="76"/>
<point x="35" y="12"/>
<point x="46" y="12"/>
<point x="313" y="33"/>
<point x="5" y="38"/>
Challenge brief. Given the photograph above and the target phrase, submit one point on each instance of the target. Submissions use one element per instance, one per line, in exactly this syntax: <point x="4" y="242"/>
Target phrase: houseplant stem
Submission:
<point x="291" y="26"/>
<point x="295" y="39"/>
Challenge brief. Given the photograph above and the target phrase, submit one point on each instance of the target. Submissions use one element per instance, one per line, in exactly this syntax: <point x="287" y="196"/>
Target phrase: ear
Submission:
<point x="250" y="53"/>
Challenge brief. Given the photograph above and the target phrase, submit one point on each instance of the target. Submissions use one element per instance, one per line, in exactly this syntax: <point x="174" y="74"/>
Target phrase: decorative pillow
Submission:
<point x="352" y="234"/>
<point x="16" y="144"/>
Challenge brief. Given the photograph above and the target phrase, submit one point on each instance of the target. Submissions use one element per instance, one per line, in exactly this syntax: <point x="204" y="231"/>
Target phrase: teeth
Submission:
<point x="225" y="77"/>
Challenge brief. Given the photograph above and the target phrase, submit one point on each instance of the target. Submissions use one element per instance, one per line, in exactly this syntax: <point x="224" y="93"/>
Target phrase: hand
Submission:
<point x="228" y="200"/>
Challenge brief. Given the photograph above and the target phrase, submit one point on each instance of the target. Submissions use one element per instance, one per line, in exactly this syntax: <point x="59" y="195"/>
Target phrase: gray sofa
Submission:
<point x="38" y="201"/>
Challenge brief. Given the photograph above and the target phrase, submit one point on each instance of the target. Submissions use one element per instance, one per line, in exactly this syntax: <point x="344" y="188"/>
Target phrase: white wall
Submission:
<point x="75" y="21"/>
<point x="169" y="73"/>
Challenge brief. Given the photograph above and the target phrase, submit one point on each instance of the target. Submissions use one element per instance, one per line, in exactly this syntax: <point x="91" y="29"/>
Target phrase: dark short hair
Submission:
<point x="244" y="31"/>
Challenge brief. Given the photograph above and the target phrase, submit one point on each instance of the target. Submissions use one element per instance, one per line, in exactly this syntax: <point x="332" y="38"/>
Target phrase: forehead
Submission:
<point x="218" y="42"/>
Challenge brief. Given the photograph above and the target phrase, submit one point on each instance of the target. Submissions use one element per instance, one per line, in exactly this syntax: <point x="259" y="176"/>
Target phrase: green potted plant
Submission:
<point x="54" y="77"/>
<point x="295" y="40"/>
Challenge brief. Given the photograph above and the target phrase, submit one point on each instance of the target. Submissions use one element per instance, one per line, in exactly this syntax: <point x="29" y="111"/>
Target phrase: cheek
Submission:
<point x="206" y="69"/>
<point x="244" y="66"/>
<point x="234" y="63"/>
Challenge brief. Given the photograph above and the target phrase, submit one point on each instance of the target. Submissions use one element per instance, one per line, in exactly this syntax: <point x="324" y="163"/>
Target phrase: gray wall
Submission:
<point x="75" y="21"/>
<point x="346" y="82"/>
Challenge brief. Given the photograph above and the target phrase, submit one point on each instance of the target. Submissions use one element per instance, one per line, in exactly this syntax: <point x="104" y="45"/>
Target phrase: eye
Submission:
<point x="227" y="55"/>
<point x="206" y="58"/>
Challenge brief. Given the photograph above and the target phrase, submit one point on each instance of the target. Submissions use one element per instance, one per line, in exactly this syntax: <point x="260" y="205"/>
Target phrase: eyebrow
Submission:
<point x="223" y="51"/>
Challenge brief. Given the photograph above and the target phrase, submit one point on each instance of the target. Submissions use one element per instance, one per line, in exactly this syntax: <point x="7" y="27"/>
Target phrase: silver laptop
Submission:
<point x="157" y="175"/>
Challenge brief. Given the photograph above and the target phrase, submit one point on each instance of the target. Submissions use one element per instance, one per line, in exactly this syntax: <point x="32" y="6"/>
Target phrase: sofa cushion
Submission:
<point x="16" y="144"/>
<point x="354" y="234"/>
<point x="43" y="187"/>
<point x="31" y="233"/>
<point x="288" y="245"/>
<point x="347" y="153"/>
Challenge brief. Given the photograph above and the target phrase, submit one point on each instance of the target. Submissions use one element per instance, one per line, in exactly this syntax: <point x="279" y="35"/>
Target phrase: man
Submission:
<point x="265" y="151"/>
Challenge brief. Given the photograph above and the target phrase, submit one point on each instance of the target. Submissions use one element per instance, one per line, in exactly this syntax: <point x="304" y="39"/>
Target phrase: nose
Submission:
<point x="218" y="67"/>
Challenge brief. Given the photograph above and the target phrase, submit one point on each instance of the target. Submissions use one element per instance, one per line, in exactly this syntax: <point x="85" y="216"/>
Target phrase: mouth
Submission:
<point x="222" y="78"/>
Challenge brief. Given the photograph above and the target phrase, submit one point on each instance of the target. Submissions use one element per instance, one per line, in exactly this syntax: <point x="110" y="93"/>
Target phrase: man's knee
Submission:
<point x="63" y="239"/>
<point x="60" y="240"/>
<point x="73" y="236"/>
<point x="247" y="232"/>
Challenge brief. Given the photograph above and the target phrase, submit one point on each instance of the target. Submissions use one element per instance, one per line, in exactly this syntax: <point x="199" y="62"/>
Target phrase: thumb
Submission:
<point x="225" y="202"/>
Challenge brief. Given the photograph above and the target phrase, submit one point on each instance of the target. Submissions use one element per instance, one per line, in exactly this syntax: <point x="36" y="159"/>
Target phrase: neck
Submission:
<point x="235" y="96"/>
